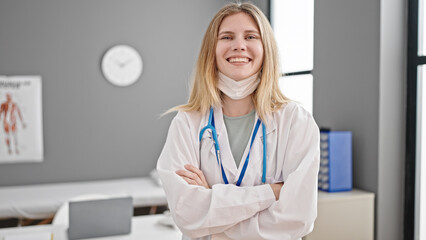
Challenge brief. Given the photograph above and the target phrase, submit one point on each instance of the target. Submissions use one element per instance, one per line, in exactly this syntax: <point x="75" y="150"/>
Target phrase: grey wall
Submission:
<point x="92" y="129"/>
<point x="346" y="73"/>
<point x="359" y="86"/>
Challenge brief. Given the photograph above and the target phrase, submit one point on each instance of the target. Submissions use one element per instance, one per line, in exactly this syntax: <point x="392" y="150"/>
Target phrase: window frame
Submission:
<point x="413" y="61"/>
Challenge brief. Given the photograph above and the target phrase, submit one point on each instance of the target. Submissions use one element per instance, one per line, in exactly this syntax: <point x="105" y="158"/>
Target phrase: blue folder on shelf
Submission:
<point x="335" y="173"/>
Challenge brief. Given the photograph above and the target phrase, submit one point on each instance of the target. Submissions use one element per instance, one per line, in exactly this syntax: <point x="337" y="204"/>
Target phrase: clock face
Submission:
<point x="122" y="65"/>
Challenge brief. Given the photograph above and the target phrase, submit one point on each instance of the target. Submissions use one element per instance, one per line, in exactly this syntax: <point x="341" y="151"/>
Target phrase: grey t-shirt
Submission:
<point x="239" y="131"/>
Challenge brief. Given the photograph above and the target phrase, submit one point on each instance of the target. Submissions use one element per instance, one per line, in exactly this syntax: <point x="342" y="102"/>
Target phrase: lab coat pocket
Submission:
<point x="208" y="161"/>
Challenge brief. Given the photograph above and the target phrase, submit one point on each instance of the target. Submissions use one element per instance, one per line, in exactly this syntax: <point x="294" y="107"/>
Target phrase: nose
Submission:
<point x="239" y="44"/>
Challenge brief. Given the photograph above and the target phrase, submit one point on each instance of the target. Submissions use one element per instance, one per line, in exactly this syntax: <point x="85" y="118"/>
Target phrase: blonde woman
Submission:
<point x="240" y="160"/>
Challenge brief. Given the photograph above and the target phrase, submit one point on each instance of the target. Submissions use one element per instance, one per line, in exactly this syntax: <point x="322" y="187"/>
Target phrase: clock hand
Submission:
<point x="122" y="64"/>
<point x="119" y="63"/>
<point x="125" y="63"/>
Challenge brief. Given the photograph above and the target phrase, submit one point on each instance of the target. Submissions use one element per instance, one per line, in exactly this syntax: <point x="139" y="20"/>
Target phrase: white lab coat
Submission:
<point x="250" y="211"/>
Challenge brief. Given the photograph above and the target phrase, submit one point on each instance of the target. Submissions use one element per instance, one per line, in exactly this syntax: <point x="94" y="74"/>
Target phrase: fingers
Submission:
<point x="276" y="188"/>
<point x="193" y="175"/>
<point x="190" y="175"/>
<point x="190" y="181"/>
<point x="197" y="171"/>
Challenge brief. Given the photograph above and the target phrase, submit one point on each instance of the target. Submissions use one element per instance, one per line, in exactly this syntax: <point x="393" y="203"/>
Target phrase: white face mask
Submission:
<point x="238" y="89"/>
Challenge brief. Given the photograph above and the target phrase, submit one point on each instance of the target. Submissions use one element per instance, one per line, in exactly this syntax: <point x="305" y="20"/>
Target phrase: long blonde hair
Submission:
<point x="267" y="97"/>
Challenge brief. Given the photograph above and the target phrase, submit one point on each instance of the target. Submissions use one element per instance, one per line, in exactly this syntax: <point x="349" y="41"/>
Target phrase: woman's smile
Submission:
<point x="238" y="60"/>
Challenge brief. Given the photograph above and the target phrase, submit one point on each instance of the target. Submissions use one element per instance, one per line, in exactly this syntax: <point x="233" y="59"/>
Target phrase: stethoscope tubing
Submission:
<point x="212" y="128"/>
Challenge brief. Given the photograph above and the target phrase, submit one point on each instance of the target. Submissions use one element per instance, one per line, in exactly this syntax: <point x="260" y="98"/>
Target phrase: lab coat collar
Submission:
<point x="269" y="124"/>
<point x="220" y="124"/>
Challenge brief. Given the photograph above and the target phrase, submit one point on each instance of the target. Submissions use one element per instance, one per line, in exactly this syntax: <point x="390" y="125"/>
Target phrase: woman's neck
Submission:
<point x="237" y="108"/>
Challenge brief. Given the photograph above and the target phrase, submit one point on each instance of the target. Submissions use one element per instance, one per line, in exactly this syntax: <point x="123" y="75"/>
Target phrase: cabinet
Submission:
<point x="344" y="215"/>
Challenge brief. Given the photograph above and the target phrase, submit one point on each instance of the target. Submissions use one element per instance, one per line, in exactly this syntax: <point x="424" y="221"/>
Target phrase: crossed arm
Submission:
<point x="195" y="176"/>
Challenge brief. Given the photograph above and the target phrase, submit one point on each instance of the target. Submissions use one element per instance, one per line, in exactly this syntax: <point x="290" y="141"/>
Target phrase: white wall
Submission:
<point x="391" y="119"/>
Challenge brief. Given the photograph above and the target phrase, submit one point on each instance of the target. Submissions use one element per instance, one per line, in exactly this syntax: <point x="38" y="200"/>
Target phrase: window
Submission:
<point x="293" y="23"/>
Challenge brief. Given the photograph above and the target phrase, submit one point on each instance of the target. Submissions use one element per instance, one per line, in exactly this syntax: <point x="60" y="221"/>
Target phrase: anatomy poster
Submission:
<point x="21" y="133"/>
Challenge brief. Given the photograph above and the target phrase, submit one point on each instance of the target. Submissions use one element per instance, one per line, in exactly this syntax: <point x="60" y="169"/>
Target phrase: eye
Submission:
<point x="226" y="37"/>
<point x="251" y="37"/>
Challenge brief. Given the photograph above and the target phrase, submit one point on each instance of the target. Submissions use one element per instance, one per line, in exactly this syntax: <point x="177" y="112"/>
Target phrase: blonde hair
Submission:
<point x="204" y="94"/>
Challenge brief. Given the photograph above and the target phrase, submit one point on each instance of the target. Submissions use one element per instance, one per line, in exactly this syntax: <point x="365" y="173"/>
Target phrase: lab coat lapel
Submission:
<point x="256" y="152"/>
<point x="269" y="124"/>
<point x="270" y="127"/>
<point x="228" y="161"/>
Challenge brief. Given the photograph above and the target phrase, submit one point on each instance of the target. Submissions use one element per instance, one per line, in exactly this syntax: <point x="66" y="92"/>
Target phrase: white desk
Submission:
<point x="43" y="200"/>
<point x="344" y="215"/>
<point x="143" y="227"/>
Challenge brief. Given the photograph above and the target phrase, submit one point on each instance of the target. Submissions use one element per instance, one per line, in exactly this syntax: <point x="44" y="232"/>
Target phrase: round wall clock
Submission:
<point x="122" y="65"/>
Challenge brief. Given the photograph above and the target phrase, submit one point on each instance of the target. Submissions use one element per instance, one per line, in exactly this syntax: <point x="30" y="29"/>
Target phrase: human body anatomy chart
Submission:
<point x="21" y="133"/>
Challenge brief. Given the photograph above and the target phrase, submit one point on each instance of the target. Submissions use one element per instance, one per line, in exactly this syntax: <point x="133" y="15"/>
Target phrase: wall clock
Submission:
<point x="122" y="65"/>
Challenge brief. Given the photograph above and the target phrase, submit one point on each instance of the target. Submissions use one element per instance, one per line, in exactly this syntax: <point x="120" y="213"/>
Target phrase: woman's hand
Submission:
<point x="193" y="176"/>
<point x="276" y="188"/>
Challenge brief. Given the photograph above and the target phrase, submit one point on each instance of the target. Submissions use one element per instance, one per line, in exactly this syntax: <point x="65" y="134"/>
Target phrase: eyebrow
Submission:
<point x="231" y="32"/>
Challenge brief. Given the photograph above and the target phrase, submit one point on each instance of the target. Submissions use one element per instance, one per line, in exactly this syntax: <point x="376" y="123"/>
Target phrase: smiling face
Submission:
<point x="239" y="49"/>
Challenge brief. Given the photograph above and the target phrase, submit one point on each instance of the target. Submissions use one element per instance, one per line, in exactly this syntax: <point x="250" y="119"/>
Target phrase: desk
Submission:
<point x="344" y="215"/>
<point x="43" y="200"/>
<point x="143" y="227"/>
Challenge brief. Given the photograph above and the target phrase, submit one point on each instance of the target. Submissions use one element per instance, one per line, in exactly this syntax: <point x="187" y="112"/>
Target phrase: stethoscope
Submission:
<point x="211" y="126"/>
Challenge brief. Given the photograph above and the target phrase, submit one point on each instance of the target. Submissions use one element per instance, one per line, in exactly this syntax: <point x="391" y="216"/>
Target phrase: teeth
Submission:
<point x="236" y="60"/>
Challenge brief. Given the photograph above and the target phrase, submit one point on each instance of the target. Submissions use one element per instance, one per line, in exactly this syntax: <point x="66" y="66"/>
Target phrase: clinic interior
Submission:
<point x="93" y="130"/>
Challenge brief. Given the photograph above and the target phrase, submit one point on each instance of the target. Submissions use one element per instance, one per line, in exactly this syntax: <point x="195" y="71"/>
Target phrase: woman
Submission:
<point x="245" y="187"/>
